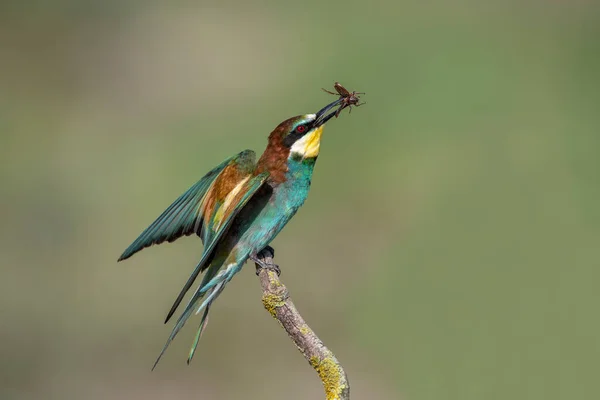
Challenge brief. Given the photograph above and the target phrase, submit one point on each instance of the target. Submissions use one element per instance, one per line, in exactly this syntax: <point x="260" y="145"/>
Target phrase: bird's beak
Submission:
<point x="322" y="115"/>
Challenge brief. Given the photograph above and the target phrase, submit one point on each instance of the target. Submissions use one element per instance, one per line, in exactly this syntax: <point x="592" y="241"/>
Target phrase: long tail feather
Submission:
<point x="204" y="321"/>
<point x="186" y="315"/>
<point x="213" y="282"/>
<point x="206" y="258"/>
<point x="201" y="328"/>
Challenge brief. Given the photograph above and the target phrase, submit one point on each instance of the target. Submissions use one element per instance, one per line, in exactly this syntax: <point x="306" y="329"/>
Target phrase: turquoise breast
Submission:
<point x="270" y="209"/>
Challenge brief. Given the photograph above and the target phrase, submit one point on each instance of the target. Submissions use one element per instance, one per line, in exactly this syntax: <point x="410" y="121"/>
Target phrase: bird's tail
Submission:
<point x="212" y="285"/>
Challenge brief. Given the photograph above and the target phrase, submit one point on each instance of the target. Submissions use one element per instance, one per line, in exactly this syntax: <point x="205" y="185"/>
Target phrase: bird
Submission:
<point x="237" y="209"/>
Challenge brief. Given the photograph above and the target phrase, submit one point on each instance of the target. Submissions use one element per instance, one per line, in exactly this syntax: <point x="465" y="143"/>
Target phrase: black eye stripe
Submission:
<point x="293" y="136"/>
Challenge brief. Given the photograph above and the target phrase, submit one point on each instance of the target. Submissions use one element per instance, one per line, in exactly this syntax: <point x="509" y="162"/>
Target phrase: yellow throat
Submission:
<point x="308" y="146"/>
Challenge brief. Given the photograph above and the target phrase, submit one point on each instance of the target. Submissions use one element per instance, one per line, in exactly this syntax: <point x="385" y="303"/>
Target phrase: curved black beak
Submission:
<point x="322" y="115"/>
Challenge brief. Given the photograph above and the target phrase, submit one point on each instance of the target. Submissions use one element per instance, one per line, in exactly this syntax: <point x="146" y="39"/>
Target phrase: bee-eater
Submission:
<point x="237" y="209"/>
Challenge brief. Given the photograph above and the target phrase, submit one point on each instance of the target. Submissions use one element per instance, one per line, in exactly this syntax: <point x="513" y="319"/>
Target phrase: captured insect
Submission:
<point x="349" y="99"/>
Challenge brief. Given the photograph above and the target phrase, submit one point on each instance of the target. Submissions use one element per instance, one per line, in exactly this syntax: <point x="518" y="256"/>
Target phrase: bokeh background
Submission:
<point x="450" y="246"/>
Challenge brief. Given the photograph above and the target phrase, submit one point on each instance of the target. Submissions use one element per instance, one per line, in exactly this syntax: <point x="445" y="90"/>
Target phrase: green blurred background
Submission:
<point x="449" y="248"/>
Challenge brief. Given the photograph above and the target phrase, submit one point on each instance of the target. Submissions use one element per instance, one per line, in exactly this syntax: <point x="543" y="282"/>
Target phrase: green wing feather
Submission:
<point x="214" y="229"/>
<point x="213" y="282"/>
<point x="183" y="217"/>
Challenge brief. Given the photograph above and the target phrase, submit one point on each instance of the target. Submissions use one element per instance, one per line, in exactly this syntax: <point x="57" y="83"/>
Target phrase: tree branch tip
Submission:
<point x="276" y="300"/>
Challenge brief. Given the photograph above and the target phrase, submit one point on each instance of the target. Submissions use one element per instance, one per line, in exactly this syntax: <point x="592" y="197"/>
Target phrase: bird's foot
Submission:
<point x="273" y="267"/>
<point x="260" y="264"/>
<point x="268" y="251"/>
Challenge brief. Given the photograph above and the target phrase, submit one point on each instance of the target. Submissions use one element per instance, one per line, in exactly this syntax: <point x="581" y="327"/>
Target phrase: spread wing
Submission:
<point x="222" y="205"/>
<point x="184" y="216"/>
<point x="206" y="209"/>
<point x="223" y="202"/>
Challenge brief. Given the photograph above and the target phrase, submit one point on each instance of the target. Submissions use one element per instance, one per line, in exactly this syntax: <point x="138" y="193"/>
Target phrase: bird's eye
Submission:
<point x="301" y="128"/>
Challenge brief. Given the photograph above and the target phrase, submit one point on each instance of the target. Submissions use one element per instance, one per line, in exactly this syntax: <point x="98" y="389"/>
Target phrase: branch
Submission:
<point x="276" y="300"/>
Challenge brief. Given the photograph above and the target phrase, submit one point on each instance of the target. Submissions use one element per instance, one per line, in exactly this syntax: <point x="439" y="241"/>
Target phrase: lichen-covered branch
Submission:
<point x="278" y="303"/>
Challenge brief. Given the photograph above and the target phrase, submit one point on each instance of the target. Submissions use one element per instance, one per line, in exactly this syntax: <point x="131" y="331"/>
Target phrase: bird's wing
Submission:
<point x="225" y="210"/>
<point x="185" y="215"/>
<point x="230" y="192"/>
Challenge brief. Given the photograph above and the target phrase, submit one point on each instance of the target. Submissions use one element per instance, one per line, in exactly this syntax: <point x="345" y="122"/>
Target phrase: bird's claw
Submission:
<point x="272" y="267"/>
<point x="268" y="251"/>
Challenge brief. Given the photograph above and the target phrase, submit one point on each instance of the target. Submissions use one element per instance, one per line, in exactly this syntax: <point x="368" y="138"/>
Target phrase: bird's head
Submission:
<point x="300" y="136"/>
<point x="297" y="138"/>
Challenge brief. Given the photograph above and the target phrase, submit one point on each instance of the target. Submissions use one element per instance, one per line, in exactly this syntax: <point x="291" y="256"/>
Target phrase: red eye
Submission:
<point x="300" y="128"/>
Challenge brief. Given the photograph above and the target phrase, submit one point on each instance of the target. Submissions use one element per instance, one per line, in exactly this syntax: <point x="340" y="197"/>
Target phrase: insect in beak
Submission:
<point x="348" y="99"/>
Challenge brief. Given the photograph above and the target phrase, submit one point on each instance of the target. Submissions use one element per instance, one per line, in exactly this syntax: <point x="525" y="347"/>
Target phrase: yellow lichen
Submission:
<point x="330" y="375"/>
<point x="304" y="329"/>
<point x="274" y="279"/>
<point x="272" y="302"/>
